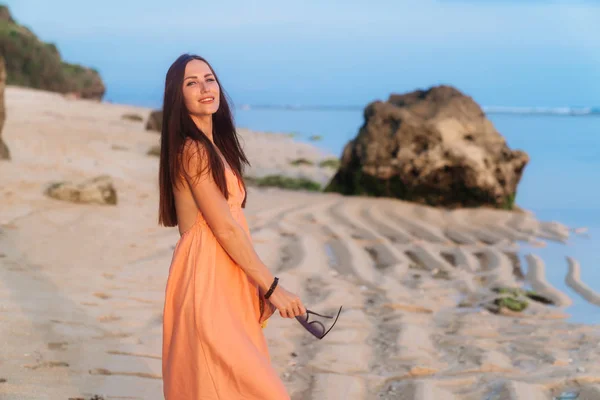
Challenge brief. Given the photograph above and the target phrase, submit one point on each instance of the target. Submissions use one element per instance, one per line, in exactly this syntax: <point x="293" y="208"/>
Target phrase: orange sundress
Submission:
<point x="213" y="344"/>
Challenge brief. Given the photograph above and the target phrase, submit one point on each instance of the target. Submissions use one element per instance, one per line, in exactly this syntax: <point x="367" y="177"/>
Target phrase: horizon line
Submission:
<point x="558" y="110"/>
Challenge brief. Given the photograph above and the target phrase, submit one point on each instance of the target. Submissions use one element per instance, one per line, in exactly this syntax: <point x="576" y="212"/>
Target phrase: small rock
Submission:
<point x="580" y="369"/>
<point x="132" y="117"/>
<point x="154" y="151"/>
<point x="118" y="147"/>
<point x="98" y="190"/>
<point x="154" y="122"/>
<point x="4" y="152"/>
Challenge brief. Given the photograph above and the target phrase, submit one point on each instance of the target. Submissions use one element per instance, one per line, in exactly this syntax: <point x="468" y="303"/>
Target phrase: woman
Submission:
<point x="218" y="292"/>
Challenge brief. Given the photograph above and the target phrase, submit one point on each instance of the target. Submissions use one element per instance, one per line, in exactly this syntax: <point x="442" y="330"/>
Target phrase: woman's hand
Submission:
<point x="288" y="304"/>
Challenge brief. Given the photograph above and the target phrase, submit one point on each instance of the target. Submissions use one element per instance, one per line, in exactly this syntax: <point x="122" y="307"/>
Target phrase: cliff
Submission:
<point x="33" y="63"/>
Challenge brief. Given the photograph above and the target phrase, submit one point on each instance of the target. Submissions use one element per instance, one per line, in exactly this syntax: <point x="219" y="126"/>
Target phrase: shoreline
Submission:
<point x="82" y="285"/>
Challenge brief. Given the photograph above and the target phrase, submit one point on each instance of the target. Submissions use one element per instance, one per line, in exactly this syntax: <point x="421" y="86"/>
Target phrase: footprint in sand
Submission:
<point x="47" y="364"/>
<point x="139" y="299"/>
<point x="57" y="345"/>
<point x="104" y="371"/>
<point x="126" y="353"/>
<point x="108" y="318"/>
<point x="113" y="335"/>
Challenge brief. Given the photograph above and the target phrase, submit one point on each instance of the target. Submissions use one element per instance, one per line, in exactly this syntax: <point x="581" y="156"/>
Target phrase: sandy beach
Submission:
<point x="82" y="285"/>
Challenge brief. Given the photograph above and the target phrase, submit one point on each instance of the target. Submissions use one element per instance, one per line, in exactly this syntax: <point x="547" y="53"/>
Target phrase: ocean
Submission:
<point x="560" y="183"/>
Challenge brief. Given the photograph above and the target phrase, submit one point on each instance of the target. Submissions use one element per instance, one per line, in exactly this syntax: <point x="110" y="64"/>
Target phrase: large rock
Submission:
<point x="98" y="190"/>
<point x="4" y="153"/>
<point x="433" y="147"/>
<point x="154" y="122"/>
<point x="33" y="63"/>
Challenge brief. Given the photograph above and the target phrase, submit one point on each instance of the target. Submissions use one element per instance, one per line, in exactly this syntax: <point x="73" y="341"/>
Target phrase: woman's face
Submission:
<point x="200" y="89"/>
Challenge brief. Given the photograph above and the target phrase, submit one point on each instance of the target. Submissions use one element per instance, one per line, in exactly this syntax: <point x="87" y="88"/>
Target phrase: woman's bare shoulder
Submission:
<point x="194" y="158"/>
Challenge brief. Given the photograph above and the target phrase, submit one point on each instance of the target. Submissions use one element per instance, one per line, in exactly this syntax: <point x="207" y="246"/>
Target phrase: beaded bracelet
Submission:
<point x="273" y="285"/>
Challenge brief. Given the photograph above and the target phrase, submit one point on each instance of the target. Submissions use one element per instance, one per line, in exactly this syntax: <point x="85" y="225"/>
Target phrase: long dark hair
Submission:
<point x="178" y="128"/>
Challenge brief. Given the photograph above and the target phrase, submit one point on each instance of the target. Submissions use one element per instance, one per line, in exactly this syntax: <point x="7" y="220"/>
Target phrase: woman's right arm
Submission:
<point x="229" y="233"/>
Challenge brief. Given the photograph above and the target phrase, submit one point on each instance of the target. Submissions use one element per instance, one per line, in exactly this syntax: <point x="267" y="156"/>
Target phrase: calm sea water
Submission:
<point x="559" y="184"/>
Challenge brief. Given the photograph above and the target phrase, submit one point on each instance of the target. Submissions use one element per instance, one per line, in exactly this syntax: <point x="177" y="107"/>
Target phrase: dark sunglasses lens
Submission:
<point x="302" y="318"/>
<point x="316" y="328"/>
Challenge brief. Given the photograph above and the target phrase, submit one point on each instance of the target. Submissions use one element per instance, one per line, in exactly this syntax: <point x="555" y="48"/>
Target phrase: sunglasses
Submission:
<point x="316" y="328"/>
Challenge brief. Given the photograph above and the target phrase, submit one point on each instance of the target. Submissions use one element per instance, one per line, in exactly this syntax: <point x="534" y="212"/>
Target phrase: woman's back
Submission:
<point x="187" y="210"/>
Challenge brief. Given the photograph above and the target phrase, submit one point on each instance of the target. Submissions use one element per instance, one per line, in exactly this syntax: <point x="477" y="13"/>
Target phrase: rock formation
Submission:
<point x="4" y="153"/>
<point x="434" y="147"/>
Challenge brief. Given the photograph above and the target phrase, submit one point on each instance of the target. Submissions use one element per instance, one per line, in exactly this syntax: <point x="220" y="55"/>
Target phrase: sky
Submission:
<point x="318" y="52"/>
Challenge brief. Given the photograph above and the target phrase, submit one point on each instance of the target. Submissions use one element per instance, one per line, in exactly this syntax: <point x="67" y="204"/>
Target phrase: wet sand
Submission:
<point x="81" y="286"/>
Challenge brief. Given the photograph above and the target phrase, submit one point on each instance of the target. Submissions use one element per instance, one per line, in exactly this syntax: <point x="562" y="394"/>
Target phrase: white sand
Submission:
<point x="81" y="286"/>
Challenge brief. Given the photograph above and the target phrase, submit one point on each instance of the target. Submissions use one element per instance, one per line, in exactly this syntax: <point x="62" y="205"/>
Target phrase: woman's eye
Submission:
<point x="190" y="83"/>
<point x="210" y="80"/>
